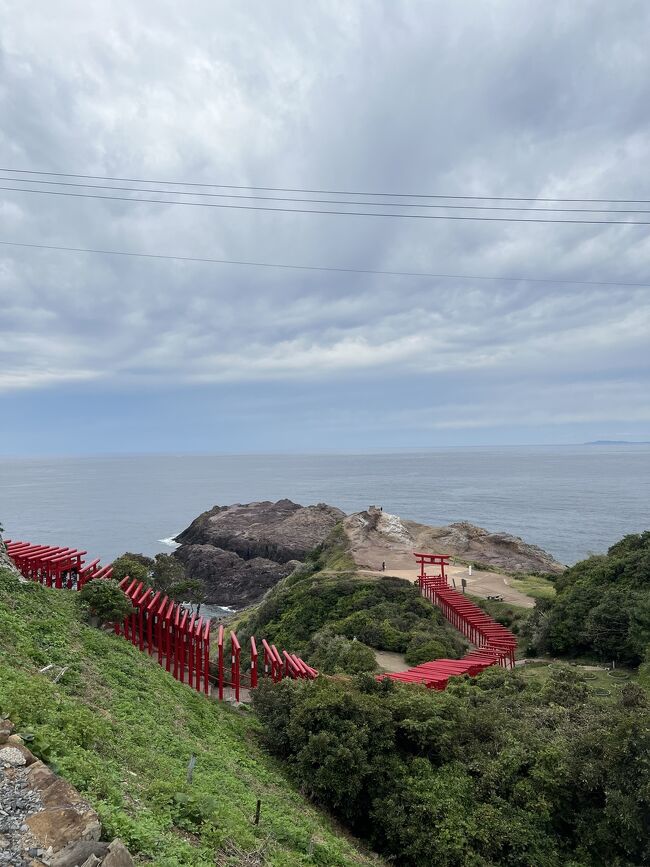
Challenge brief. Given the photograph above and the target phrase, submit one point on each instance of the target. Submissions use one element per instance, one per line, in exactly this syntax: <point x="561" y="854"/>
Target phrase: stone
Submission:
<point x="230" y="580"/>
<point x="79" y="852"/>
<point x="375" y="536"/>
<point x="91" y="861"/>
<point x="118" y="855"/>
<point x="242" y="550"/>
<point x="278" y="531"/>
<point x="6" y="728"/>
<point x="11" y="757"/>
<point x="16" y="743"/>
<point x="66" y="817"/>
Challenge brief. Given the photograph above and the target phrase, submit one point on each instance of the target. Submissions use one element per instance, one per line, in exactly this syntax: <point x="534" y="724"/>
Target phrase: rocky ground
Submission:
<point x="6" y="562"/>
<point x="44" y="822"/>
<point x="243" y="550"/>
<point x="240" y="551"/>
<point x="377" y="537"/>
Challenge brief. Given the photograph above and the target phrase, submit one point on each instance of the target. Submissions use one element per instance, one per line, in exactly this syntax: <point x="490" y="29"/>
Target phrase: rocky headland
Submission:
<point x="241" y="551"/>
<point x="376" y="536"/>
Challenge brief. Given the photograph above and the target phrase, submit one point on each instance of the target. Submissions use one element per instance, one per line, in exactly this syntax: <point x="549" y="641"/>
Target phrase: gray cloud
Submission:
<point x="505" y="98"/>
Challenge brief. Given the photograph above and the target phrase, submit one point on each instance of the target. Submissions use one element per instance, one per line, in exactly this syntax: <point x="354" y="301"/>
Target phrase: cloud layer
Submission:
<point x="506" y="98"/>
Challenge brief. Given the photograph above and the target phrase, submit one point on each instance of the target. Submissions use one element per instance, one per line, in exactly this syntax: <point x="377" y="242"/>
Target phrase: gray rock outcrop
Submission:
<point x="280" y="531"/>
<point x="7" y="563"/>
<point x="240" y="551"/>
<point x="44" y="821"/>
<point x="499" y="550"/>
<point x="375" y="536"/>
<point x="229" y="579"/>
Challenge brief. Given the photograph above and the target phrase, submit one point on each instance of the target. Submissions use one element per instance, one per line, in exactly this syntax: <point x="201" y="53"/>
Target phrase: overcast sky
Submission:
<point x="103" y="353"/>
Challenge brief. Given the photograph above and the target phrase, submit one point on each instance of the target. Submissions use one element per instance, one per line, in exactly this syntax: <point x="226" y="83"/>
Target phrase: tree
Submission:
<point x="495" y="770"/>
<point x="331" y="654"/>
<point x="602" y="606"/>
<point x="164" y="572"/>
<point x="106" y="600"/>
<point x="134" y="566"/>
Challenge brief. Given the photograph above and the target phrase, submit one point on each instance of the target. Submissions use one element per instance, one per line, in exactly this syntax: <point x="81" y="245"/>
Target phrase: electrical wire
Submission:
<point x="323" y="191"/>
<point x="329" y="201"/>
<point x="222" y="205"/>
<point x="322" y="268"/>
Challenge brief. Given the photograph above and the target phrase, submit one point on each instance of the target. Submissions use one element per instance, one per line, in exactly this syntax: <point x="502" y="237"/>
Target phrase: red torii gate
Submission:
<point x="438" y="561"/>
<point x="159" y="625"/>
<point x="494" y="644"/>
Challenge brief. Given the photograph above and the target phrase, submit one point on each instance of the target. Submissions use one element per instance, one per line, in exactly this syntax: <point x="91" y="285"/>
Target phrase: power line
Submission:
<point x="323" y="192"/>
<point x="223" y="205"/>
<point x="326" y="201"/>
<point x="325" y="268"/>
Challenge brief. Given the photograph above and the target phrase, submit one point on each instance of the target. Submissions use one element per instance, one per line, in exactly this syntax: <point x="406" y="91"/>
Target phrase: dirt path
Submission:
<point x="389" y="661"/>
<point x="479" y="583"/>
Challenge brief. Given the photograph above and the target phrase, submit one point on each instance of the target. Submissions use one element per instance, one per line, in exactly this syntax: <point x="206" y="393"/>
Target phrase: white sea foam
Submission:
<point x="169" y="542"/>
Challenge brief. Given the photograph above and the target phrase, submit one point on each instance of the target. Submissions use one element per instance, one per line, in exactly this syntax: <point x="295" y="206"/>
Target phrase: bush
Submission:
<point x="331" y="654"/>
<point x="134" y="565"/>
<point x="383" y="614"/>
<point x="602" y="607"/>
<point x="494" y="771"/>
<point x="106" y="600"/>
<point x="423" y="648"/>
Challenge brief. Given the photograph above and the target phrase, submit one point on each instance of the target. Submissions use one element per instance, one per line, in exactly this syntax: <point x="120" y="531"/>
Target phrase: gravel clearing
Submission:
<point x="17" y="803"/>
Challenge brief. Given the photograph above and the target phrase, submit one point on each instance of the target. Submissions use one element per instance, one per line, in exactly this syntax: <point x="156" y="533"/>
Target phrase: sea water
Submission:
<point x="570" y="500"/>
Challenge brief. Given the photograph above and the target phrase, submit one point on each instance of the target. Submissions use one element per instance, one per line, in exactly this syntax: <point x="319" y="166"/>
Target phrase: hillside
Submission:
<point x="602" y="608"/>
<point x="122" y="732"/>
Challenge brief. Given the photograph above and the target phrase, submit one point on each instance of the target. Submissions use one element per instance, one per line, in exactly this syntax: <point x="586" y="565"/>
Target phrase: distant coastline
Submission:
<point x="618" y="443"/>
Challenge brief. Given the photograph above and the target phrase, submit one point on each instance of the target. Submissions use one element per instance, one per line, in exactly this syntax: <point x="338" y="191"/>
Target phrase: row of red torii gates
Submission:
<point x="180" y="639"/>
<point x="493" y="643"/>
<point x="161" y="627"/>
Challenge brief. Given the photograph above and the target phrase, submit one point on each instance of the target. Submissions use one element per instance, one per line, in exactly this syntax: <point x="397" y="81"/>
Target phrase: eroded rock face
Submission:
<point x="279" y="531"/>
<point x="240" y="551"/>
<point x="229" y="579"/>
<point x="501" y="550"/>
<point x="376" y="536"/>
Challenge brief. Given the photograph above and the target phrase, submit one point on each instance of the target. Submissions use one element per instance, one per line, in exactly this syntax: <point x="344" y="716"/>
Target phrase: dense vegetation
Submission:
<point x="122" y="731"/>
<point x="162" y="572"/>
<point x="602" y="607"/>
<point x="332" y="617"/>
<point x="106" y="601"/>
<point x="386" y="614"/>
<point x="500" y="771"/>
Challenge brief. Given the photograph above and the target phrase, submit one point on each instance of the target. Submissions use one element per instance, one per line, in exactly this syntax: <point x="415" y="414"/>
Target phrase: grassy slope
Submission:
<point x="122" y="731"/>
<point x="535" y="586"/>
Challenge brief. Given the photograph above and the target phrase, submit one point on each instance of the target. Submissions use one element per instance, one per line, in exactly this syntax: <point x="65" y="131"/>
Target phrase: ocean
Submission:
<point x="570" y="500"/>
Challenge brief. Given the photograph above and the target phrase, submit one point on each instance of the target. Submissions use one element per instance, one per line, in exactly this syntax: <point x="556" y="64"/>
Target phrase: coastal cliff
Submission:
<point x="241" y="551"/>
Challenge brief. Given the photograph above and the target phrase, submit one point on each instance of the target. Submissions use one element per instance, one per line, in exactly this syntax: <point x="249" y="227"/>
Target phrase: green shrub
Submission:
<point x="332" y="654"/>
<point x="106" y="600"/>
<point x="498" y="770"/>
<point x="423" y="648"/>
<point x="602" y="607"/>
